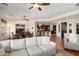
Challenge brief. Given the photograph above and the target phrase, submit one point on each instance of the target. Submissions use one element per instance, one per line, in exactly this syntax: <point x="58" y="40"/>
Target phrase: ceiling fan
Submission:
<point x="38" y="5"/>
<point x="26" y="18"/>
<point x="77" y="4"/>
<point x="2" y="5"/>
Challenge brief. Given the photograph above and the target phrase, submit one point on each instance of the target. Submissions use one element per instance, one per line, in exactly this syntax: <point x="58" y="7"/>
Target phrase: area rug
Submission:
<point x="62" y="53"/>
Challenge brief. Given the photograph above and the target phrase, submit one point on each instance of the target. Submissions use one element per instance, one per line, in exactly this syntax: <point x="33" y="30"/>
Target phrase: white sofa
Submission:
<point x="71" y="41"/>
<point x="34" y="46"/>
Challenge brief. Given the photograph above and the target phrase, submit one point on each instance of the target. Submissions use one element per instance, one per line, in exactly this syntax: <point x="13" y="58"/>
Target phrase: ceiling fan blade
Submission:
<point x="39" y="9"/>
<point x="31" y="7"/>
<point x="77" y="4"/>
<point x="5" y="4"/>
<point x="33" y="3"/>
<point x="44" y="4"/>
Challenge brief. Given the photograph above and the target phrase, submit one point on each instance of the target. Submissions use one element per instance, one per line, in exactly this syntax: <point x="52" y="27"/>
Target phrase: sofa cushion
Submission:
<point x="39" y="40"/>
<point x="31" y="42"/>
<point x="66" y="35"/>
<point x="34" y="51"/>
<point x="72" y="46"/>
<point x="48" y="50"/>
<point x="17" y="44"/>
<point x="21" y="52"/>
<point x="6" y="45"/>
<point x="46" y="47"/>
<point x="73" y="38"/>
<point x="77" y="38"/>
<point x="43" y="40"/>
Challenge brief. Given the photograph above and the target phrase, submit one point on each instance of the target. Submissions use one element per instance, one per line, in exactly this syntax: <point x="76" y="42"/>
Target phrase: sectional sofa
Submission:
<point x="71" y="41"/>
<point x="34" y="46"/>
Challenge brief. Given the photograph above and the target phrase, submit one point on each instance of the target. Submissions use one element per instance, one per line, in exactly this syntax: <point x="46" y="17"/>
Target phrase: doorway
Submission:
<point x="63" y="28"/>
<point x="54" y="28"/>
<point x="53" y="31"/>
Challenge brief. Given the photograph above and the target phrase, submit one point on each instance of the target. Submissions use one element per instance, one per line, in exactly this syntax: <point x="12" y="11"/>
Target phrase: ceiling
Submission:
<point x="18" y="10"/>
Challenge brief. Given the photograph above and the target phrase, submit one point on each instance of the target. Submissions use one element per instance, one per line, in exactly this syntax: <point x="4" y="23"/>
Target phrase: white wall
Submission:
<point x="73" y="27"/>
<point x="57" y="29"/>
<point x="51" y="27"/>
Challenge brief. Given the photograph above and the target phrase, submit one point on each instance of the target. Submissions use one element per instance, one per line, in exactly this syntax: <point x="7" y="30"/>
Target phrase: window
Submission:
<point x="70" y="28"/>
<point x="20" y="28"/>
<point x="77" y="28"/>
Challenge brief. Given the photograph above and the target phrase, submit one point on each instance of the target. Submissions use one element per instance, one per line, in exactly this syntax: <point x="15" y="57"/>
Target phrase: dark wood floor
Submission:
<point x="59" y="45"/>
